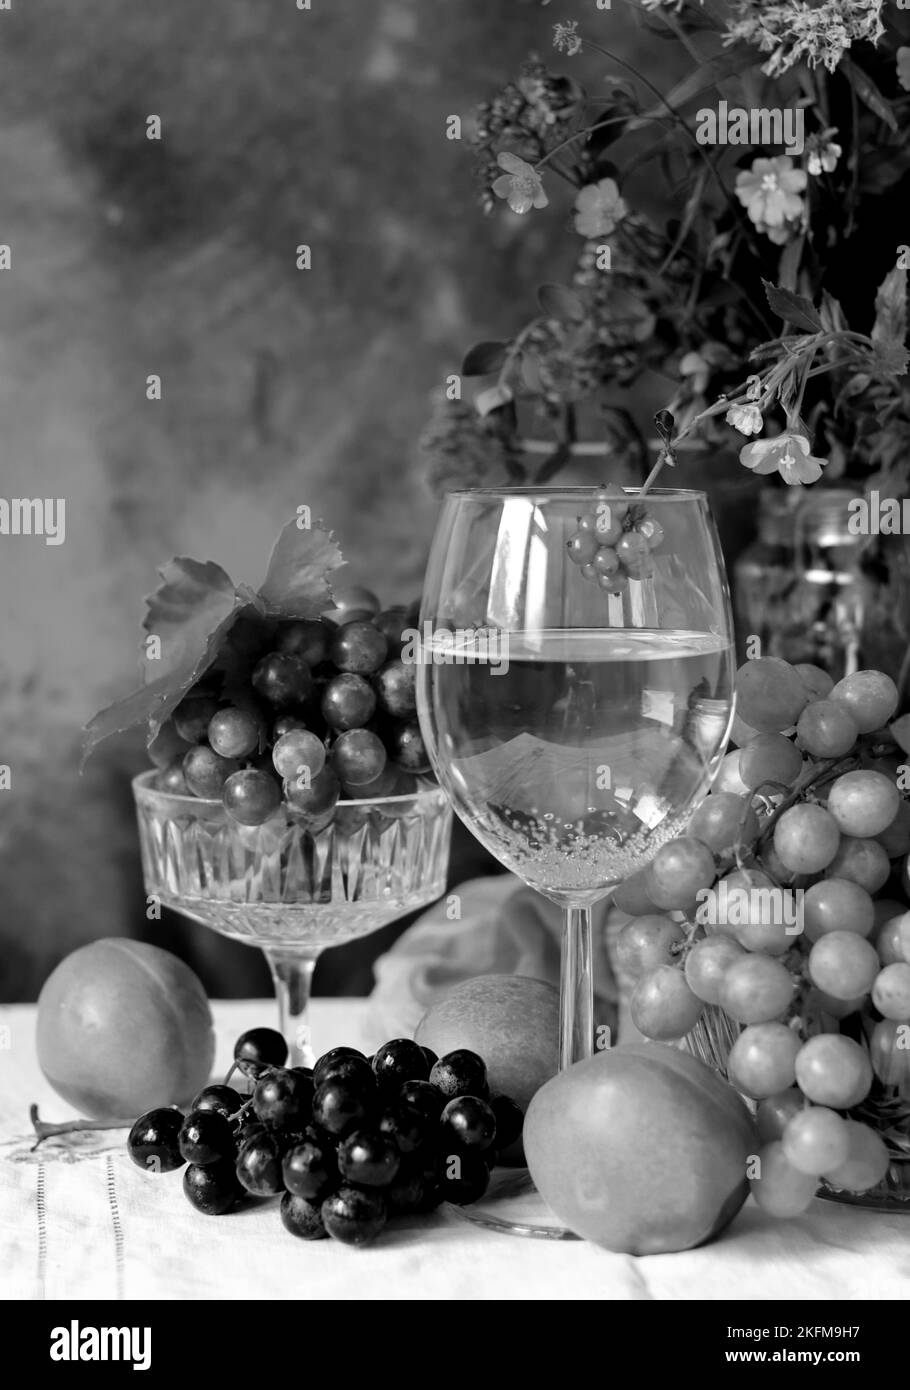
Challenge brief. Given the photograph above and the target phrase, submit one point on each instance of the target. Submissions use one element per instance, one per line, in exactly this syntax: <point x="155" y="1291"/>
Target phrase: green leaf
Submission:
<point x="738" y="59"/>
<point x="793" y="308"/>
<point x="189" y="613"/>
<point x="298" y="578"/>
<point x="891" y="309"/>
<point x="484" y="358"/>
<point x="559" y="302"/>
<point x="868" y="93"/>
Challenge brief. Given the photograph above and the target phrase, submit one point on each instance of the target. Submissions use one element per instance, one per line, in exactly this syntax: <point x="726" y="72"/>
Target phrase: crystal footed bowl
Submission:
<point x="289" y="889"/>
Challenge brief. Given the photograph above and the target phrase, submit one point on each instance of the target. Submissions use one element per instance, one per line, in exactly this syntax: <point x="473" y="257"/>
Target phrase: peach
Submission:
<point x="124" y="1027"/>
<point x="641" y="1149"/>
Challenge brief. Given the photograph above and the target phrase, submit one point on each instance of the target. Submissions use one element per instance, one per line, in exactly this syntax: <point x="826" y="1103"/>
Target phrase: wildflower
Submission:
<point x="794" y="31"/>
<point x="787" y="454"/>
<point x="598" y="208"/>
<point x="769" y="192"/>
<point x="745" y="418"/>
<point x="903" y="68"/>
<point x="520" y="185"/>
<point x="822" y="153"/>
<point x="693" y="365"/>
<point x="566" y="38"/>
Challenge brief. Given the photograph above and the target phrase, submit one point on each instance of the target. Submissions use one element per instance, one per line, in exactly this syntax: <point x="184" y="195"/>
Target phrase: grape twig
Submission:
<point x="44" y="1130"/>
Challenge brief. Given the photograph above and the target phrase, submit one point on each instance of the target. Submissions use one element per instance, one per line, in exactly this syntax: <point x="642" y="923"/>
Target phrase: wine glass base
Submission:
<point x="512" y="1205"/>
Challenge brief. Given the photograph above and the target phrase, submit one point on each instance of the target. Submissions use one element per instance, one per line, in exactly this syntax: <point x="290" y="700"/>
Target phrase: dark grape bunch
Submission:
<point x="802" y="849"/>
<point x="346" y="1144"/>
<point x="614" y="541"/>
<point x="300" y="713"/>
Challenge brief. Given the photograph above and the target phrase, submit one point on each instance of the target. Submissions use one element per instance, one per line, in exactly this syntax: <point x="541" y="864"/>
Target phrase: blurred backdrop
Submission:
<point x="176" y="257"/>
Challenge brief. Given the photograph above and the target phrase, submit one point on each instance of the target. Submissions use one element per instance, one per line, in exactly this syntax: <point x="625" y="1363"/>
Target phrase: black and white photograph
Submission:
<point x="455" y="668"/>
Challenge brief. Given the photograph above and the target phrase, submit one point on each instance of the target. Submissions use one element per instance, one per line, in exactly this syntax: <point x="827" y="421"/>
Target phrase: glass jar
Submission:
<point x="798" y="587"/>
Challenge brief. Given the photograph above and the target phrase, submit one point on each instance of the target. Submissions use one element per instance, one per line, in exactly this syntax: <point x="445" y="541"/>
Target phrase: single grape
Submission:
<point x="647" y="942"/>
<point x="358" y="757"/>
<point x="223" y="1100"/>
<point x="172" y="780"/>
<point x="582" y="547"/>
<point x="408" y="749"/>
<point x="608" y="523"/>
<point x="302" y="1217"/>
<point x="889" y="1052"/>
<point x="818" y="683"/>
<point x="762" y="1060"/>
<point x="206" y="772"/>
<point x="615" y="583"/>
<point x="469" y="1123"/>
<point x="870" y="696"/>
<point x="663" y="1006"/>
<point x="359" y="648"/>
<point x="678" y="871"/>
<point x="153" y="1141"/>
<point x="399" y="1061"/>
<point x="319" y="799"/>
<point x="211" y="1189"/>
<point x="806" y="838"/>
<point x="283" y="680"/>
<point x="352" y="599"/>
<point x="192" y="717"/>
<point x="863" y="803"/>
<point x="355" y="1072"/>
<point x="826" y="729"/>
<point x="465" y="1178"/>
<point x="258" y="1165"/>
<point x="741" y="733"/>
<point x="837" y="905"/>
<point x="167" y="746"/>
<point x="756" y="989"/>
<point x="816" y="1140"/>
<point x="234" y="733"/>
<point x="634" y="554"/>
<point x="867" y="1160"/>
<point x="396" y="689"/>
<point x="298" y="756"/>
<point x="423" y="1095"/>
<point x="706" y="965"/>
<point x="775" y="1112"/>
<point x="652" y="531"/>
<point x="283" y="1099"/>
<point x="728" y="778"/>
<point x="833" y="1070"/>
<point x="394" y="623"/>
<point x="334" y="1054"/>
<point x="310" y="1169"/>
<point x="406" y="1126"/>
<point x="286" y="724"/>
<point x="250" y="796"/>
<point x="895" y="841"/>
<point x="354" y="1217"/>
<point x="339" y="1107"/>
<point x="309" y="639"/>
<point x="460" y="1073"/>
<point x="368" y="1158"/>
<point x="769" y="758"/>
<point x="889" y="938"/>
<point x="891" y="991"/>
<point x="843" y="964"/>
<point x="755" y="912"/>
<point x="863" y="862"/>
<point x="206" y="1137"/>
<point x="769" y="694"/>
<point x="606" y="561"/>
<point x="348" y="702"/>
<point x="258" y="1048"/>
<point x="509" y="1118"/>
<point x="718" y="819"/>
<point x="779" y="1188"/>
<point x="632" y="895"/>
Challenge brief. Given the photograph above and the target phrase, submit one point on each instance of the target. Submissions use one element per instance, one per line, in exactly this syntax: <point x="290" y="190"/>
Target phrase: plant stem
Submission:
<point x="47" y="1131"/>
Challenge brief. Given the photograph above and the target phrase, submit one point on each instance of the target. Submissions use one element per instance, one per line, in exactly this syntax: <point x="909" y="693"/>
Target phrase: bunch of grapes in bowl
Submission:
<point x="773" y="938"/>
<point x="291" y="804"/>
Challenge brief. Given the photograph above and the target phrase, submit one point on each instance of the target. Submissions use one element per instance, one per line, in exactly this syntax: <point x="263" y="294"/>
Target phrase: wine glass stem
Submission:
<point x="292" y="973"/>
<point x="576" y="1000"/>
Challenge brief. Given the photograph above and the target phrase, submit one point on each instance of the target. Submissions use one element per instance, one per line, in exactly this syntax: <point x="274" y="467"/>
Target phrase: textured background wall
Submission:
<point x="177" y="257"/>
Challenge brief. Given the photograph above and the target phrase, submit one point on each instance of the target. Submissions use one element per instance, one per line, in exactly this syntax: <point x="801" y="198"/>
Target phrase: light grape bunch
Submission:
<point x="785" y="904"/>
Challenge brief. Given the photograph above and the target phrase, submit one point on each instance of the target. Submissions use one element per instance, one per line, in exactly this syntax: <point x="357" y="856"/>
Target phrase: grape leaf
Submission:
<point x="793" y="308"/>
<point x="484" y="358"/>
<point x="188" y="613"/>
<point x="297" y="582"/>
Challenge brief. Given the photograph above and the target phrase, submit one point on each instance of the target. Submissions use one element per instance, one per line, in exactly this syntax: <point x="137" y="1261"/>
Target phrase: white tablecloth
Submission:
<point x="97" y="1226"/>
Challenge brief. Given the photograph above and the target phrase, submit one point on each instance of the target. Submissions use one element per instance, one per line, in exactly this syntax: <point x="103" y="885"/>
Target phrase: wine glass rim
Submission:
<point x="664" y="494"/>
<point x="143" y="782"/>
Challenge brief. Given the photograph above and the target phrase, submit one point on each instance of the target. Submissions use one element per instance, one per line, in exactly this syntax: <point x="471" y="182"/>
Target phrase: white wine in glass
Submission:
<point x="575" y="722"/>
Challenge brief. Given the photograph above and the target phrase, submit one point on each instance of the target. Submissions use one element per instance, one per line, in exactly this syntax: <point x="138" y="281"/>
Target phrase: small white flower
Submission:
<point x="745" y="418"/>
<point x="520" y="185"/>
<point x="566" y="38"/>
<point x="598" y="208"/>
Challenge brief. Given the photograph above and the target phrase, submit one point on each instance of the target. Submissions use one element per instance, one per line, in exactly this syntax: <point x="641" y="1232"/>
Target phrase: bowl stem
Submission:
<point x="292" y="973"/>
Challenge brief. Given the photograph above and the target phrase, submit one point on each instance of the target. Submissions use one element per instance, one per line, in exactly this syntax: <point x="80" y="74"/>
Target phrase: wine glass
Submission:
<point x="291" y="890"/>
<point x="575" y="722"/>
